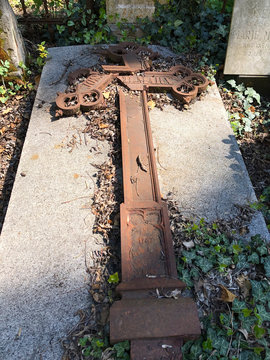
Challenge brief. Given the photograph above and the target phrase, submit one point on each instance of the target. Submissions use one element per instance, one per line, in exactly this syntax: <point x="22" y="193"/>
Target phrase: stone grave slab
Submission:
<point x="248" y="51"/>
<point x="130" y="9"/>
<point x="47" y="234"/>
<point x="199" y="161"/>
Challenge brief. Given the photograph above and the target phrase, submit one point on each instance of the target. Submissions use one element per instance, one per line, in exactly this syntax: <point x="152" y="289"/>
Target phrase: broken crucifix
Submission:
<point x="156" y="325"/>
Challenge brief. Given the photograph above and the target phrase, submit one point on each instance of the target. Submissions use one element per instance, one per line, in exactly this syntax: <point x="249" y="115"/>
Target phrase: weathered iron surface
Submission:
<point x="147" y="257"/>
<point x="181" y="81"/>
<point x="130" y="55"/>
<point x="88" y="94"/>
<point x="131" y="62"/>
<point x="151" y="312"/>
<point x="153" y="318"/>
<point x="145" y="231"/>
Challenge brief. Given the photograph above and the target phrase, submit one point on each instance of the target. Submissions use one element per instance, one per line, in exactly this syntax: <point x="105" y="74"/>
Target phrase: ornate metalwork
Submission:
<point x="147" y="255"/>
<point x="181" y="81"/>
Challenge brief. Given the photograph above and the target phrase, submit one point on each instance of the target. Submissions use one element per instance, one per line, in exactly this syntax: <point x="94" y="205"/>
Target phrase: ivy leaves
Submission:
<point x="84" y="27"/>
<point x="242" y="122"/>
<point x="95" y="348"/>
<point x="266" y="265"/>
<point x="193" y="25"/>
<point x="217" y="252"/>
<point x="241" y="332"/>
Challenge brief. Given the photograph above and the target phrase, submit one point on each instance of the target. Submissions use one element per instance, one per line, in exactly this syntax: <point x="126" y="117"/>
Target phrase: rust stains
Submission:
<point x="35" y="157"/>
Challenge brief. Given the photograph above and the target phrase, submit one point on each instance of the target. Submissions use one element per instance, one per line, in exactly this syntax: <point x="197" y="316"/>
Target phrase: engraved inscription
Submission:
<point x="137" y="82"/>
<point x="248" y="51"/>
<point x="256" y="34"/>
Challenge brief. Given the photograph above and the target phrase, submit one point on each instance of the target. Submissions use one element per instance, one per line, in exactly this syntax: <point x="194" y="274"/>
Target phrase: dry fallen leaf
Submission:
<point x="109" y="176"/>
<point x="18" y="334"/>
<point x="2" y="130"/>
<point x="103" y="126"/>
<point x="244" y="284"/>
<point x="243" y="230"/>
<point x="94" y="212"/>
<point x="37" y="80"/>
<point x="226" y="295"/>
<point x="188" y="244"/>
<point x="98" y="297"/>
<point x="6" y="111"/>
<point x="173" y="294"/>
<point x="106" y="94"/>
<point x="244" y="332"/>
<point x="151" y="104"/>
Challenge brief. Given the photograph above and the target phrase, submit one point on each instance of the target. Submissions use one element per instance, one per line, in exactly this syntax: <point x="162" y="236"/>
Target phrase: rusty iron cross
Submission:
<point x="155" y="325"/>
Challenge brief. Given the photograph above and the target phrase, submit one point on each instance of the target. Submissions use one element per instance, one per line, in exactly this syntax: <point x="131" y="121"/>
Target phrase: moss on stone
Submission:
<point x="5" y="56"/>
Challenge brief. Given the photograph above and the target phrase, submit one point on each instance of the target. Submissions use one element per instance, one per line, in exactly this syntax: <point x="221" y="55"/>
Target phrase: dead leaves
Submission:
<point x="226" y="295"/>
<point x="244" y="332"/>
<point x="19" y="97"/>
<point x="3" y="130"/>
<point x="13" y="126"/>
<point x="151" y="104"/>
<point x="6" y="111"/>
<point x="189" y="244"/>
<point x="244" y="284"/>
<point x="37" y="80"/>
<point x="106" y="94"/>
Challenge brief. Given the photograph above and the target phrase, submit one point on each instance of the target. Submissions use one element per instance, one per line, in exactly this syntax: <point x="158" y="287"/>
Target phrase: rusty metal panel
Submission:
<point x="145" y="232"/>
<point x="146" y="246"/>
<point x="152" y="318"/>
<point x="140" y="177"/>
<point x="129" y="54"/>
<point x="143" y="248"/>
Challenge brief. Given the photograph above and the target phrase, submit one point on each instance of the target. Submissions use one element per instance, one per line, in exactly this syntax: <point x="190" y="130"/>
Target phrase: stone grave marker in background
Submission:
<point x="130" y="9"/>
<point x="248" y="52"/>
<point x="11" y="42"/>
